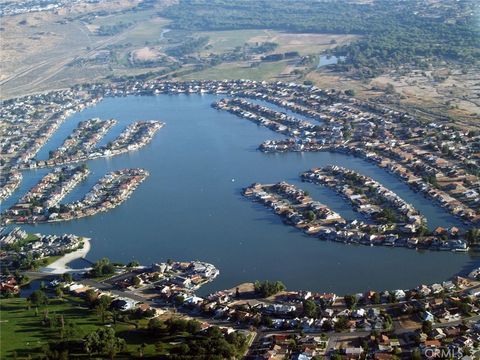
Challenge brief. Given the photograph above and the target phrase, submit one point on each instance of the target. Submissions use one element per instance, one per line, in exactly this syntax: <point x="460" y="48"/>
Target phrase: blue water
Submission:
<point x="325" y="60"/>
<point x="191" y="206"/>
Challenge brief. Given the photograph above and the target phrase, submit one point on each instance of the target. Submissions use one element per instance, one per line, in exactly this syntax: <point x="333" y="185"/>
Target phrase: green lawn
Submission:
<point x="22" y="331"/>
<point x="31" y="237"/>
<point x="52" y="259"/>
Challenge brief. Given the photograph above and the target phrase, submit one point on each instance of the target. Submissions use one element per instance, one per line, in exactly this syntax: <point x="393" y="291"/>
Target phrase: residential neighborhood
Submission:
<point x="314" y="218"/>
<point x="40" y="204"/>
<point x="285" y="324"/>
<point x="436" y="160"/>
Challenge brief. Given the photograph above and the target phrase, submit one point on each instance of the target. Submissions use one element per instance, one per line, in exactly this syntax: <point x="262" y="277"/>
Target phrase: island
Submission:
<point x="80" y="145"/>
<point x="77" y="146"/>
<point x="40" y="203"/>
<point x="395" y="222"/>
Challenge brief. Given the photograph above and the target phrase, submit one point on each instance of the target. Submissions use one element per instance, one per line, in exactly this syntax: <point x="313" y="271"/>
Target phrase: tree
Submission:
<point x="416" y="355"/>
<point x="310" y="308"/>
<point x="427" y="327"/>
<point x="350" y="301"/>
<point x="71" y="330"/>
<point x="102" y="267"/>
<point x="103" y="341"/>
<point x="38" y="297"/>
<point x="310" y="215"/>
<point x="423" y="230"/>
<point x="473" y="236"/>
<point x="388" y="215"/>
<point x="141" y="349"/>
<point x="390" y="89"/>
<point x="157" y="327"/>
<point x="136" y="281"/>
<point x="347" y="132"/>
<point x="327" y="325"/>
<point x="67" y="277"/>
<point x="268" y="288"/>
<point x="133" y="263"/>
<point x="90" y="297"/>
<point x="59" y="292"/>
<point x="159" y="347"/>
<point x="91" y="343"/>
<point x="341" y="324"/>
<point x="57" y="350"/>
<point x="392" y="298"/>
<point x="266" y="321"/>
<point x="103" y="303"/>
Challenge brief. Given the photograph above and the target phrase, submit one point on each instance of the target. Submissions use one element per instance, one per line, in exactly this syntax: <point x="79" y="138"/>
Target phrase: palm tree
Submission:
<point x="141" y="349"/>
<point x="102" y="311"/>
<point x="102" y="306"/>
<point x="473" y="236"/>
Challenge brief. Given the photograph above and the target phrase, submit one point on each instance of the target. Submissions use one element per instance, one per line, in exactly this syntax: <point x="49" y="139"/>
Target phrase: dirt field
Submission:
<point x="145" y="54"/>
<point x="37" y="48"/>
<point x="430" y="94"/>
<point x="408" y="322"/>
<point x="441" y="90"/>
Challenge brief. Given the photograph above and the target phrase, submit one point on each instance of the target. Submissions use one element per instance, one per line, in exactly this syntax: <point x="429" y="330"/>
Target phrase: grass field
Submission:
<point x="146" y="30"/>
<point x="22" y="332"/>
<point x="240" y="70"/>
<point x="125" y="18"/>
<point x="221" y="41"/>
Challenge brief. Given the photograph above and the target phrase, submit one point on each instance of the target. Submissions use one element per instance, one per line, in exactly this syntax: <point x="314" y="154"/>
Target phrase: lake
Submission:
<point x="191" y="207"/>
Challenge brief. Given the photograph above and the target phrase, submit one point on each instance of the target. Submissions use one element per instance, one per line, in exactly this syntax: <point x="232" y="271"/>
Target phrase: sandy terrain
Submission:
<point x="144" y="54"/>
<point x="60" y="266"/>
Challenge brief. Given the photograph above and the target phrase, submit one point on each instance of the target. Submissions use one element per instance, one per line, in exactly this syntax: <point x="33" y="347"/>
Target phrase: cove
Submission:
<point x="191" y="208"/>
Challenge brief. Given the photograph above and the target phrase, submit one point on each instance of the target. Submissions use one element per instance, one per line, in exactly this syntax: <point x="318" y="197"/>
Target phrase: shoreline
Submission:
<point x="60" y="266"/>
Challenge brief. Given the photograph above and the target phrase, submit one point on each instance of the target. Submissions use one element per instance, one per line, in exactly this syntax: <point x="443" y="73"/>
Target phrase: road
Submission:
<point x="402" y="333"/>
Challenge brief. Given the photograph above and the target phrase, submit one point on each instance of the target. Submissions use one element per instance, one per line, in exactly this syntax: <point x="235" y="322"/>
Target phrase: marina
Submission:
<point x="366" y="195"/>
<point x="82" y="140"/>
<point x="41" y="201"/>
<point x="215" y="211"/>
<point x="40" y="204"/>
<point x="75" y="149"/>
